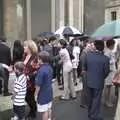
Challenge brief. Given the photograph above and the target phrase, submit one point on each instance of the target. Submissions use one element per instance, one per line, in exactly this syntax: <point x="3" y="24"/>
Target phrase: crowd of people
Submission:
<point x="38" y="63"/>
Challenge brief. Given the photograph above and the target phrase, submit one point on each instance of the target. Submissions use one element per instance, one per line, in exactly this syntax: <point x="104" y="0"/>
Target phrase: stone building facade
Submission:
<point x="12" y="20"/>
<point x="112" y="10"/>
<point x="24" y="19"/>
<point x="94" y="11"/>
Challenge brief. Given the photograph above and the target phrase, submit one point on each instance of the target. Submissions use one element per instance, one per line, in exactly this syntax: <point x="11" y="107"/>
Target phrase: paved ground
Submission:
<point x="68" y="110"/>
<point x="71" y="110"/>
<point x="6" y="103"/>
<point x="62" y="110"/>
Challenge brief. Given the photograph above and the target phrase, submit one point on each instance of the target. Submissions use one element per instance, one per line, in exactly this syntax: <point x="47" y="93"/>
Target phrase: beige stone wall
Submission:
<point x="111" y="5"/>
<point x="10" y="20"/>
<point x="13" y="21"/>
<point x="76" y="13"/>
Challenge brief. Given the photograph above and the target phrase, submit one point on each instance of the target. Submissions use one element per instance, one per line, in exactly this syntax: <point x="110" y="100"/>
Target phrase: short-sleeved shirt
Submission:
<point x="44" y="80"/>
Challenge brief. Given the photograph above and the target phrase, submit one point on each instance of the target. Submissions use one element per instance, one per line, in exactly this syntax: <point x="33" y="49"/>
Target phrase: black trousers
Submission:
<point x="31" y="102"/>
<point x="4" y="77"/>
<point x="59" y="75"/>
<point x="84" y="94"/>
<point x="94" y="103"/>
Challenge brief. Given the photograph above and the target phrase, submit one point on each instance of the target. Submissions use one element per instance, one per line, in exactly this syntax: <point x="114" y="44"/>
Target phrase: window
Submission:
<point x="113" y="15"/>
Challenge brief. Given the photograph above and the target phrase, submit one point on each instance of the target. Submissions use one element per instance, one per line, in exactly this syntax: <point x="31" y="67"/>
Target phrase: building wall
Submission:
<point x="40" y="16"/>
<point x="1" y="21"/>
<point x="94" y="11"/>
<point x="45" y="17"/>
<point x="57" y="14"/>
<point x="110" y="6"/>
<point x="76" y="13"/>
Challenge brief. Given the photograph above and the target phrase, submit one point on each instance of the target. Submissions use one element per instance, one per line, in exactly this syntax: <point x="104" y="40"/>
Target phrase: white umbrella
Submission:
<point x="68" y="30"/>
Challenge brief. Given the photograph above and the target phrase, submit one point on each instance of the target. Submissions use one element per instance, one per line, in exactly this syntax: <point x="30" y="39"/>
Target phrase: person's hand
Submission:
<point x="12" y="98"/>
<point x="10" y="69"/>
<point x="83" y="72"/>
<point x="60" y="62"/>
<point x="35" y="97"/>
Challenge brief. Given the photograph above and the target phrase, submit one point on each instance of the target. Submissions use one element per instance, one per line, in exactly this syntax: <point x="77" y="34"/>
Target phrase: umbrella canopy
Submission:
<point x="68" y="30"/>
<point x="46" y="34"/>
<point x="108" y="29"/>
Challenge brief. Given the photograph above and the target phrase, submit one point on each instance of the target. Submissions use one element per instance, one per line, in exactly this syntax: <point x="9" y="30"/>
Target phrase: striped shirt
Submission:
<point x="20" y="87"/>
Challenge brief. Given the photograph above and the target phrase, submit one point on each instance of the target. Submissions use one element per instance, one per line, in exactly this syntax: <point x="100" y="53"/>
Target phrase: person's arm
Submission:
<point x="17" y="87"/>
<point x="61" y="54"/>
<point x="38" y="82"/>
<point x="106" y="68"/>
<point x="83" y="60"/>
<point x="13" y="95"/>
<point x="37" y="89"/>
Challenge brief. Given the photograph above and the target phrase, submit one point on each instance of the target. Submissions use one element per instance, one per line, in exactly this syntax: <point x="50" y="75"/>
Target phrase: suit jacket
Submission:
<point x="5" y="54"/>
<point x="97" y="66"/>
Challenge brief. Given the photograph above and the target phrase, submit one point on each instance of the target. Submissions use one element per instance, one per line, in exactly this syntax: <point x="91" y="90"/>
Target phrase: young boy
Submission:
<point x="44" y="93"/>
<point x="19" y="92"/>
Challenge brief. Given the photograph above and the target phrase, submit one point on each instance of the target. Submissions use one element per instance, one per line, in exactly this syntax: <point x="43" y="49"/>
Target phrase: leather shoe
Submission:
<point x="63" y="98"/>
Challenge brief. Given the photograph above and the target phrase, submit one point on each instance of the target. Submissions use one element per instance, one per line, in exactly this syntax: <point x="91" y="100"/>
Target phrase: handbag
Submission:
<point x="116" y="79"/>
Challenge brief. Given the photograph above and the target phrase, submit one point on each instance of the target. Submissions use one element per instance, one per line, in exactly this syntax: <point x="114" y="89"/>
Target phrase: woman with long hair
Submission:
<point x="31" y="67"/>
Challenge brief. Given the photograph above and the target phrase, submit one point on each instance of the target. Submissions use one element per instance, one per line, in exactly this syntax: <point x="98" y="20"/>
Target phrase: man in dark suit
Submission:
<point x="97" y="68"/>
<point x="5" y="58"/>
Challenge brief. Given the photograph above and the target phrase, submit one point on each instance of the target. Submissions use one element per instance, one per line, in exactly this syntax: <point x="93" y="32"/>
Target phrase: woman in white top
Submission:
<point x="108" y="81"/>
<point x="75" y="61"/>
<point x="67" y="71"/>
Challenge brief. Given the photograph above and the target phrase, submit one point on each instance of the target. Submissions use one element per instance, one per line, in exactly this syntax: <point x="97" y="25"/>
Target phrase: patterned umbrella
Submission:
<point x="68" y="30"/>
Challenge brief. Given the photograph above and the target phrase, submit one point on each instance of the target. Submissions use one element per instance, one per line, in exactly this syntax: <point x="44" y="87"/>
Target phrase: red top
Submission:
<point x="31" y="69"/>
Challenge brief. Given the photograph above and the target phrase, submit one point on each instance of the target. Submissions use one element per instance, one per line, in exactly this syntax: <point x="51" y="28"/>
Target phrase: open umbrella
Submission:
<point x="108" y="29"/>
<point x="68" y="30"/>
<point x="46" y="34"/>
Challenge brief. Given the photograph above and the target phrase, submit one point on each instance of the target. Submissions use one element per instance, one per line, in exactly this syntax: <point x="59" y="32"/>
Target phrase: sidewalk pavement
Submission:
<point x="6" y="102"/>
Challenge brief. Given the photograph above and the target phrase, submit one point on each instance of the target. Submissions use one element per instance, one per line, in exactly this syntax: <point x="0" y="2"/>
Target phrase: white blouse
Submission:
<point x="65" y="58"/>
<point x="76" y="53"/>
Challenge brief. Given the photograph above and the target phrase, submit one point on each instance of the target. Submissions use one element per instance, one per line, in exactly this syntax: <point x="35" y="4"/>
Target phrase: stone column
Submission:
<point x="53" y="15"/>
<point x="21" y="19"/>
<point x="81" y="15"/>
<point x="71" y="18"/>
<point x="62" y="12"/>
<point x="10" y="20"/>
<point x="28" y="6"/>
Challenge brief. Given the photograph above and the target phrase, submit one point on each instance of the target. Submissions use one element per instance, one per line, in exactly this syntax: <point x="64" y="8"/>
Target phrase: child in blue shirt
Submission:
<point x="44" y="93"/>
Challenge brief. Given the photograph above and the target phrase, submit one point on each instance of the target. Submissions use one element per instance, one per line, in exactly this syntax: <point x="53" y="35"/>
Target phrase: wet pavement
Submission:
<point x="62" y="110"/>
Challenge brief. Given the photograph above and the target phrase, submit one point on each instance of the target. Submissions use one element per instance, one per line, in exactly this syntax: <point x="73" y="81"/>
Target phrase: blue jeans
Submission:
<point x="19" y="111"/>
